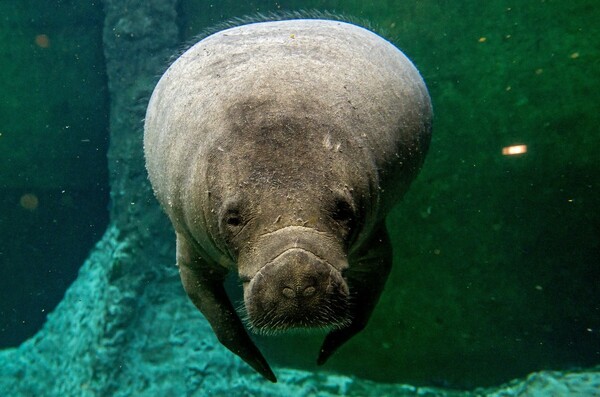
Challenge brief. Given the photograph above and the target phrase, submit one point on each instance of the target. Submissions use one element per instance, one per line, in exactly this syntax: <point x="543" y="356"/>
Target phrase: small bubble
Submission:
<point x="42" y="41"/>
<point x="29" y="201"/>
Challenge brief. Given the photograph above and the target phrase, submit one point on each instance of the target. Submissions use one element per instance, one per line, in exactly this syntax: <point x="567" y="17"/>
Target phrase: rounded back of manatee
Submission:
<point x="276" y="149"/>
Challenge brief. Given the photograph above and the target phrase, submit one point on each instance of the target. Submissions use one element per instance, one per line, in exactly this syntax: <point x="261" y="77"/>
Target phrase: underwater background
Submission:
<point x="496" y="255"/>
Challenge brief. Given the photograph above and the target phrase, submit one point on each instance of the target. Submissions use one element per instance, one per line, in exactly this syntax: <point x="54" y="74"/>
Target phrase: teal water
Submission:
<point x="496" y="255"/>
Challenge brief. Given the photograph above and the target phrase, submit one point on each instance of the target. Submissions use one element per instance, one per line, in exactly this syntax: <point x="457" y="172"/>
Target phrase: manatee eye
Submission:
<point x="346" y="216"/>
<point x="343" y="212"/>
<point x="233" y="218"/>
<point x="232" y="221"/>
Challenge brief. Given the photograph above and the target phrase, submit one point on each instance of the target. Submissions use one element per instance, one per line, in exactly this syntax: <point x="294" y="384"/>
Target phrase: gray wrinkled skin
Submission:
<point x="276" y="149"/>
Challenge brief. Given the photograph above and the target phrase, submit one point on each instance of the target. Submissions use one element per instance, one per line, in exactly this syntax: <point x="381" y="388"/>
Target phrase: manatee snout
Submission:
<point x="296" y="290"/>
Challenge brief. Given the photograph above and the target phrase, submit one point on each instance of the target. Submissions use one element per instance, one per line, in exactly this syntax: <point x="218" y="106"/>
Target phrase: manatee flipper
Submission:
<point x="366" y="279"/>
<point x="204" y="285"/>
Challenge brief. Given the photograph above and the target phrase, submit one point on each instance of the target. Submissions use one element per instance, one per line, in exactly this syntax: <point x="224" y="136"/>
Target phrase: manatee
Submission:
<point x="276" y="149"/>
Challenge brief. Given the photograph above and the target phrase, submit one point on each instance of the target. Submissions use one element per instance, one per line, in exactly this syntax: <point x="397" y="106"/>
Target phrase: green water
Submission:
<point x="53" y="142"/>
<point x="496" y="256"/>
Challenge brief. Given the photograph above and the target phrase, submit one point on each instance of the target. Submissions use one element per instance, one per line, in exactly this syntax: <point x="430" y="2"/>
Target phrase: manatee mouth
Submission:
<point x="296" y="290"/>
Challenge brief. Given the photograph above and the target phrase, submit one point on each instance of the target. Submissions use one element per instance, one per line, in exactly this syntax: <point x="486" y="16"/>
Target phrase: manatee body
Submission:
<point x="276" y="149"/>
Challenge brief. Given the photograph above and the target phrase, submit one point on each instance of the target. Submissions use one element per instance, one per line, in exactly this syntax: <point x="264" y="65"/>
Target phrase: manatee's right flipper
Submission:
<point x="204" y="285"/>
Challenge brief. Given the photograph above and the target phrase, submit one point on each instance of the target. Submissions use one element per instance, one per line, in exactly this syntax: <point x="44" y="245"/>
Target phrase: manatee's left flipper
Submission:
<point x="366" y="279"/>
<point x="204" y="285"/>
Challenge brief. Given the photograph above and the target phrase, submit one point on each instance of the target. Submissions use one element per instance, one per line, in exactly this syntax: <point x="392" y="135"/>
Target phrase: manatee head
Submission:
<point x="288" y="211"/>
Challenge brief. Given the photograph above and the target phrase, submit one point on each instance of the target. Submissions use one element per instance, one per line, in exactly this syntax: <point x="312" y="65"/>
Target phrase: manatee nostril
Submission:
<point x="292" y="293"/>
<point x="288" y="292"/>
<point x="309" y="291"/>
